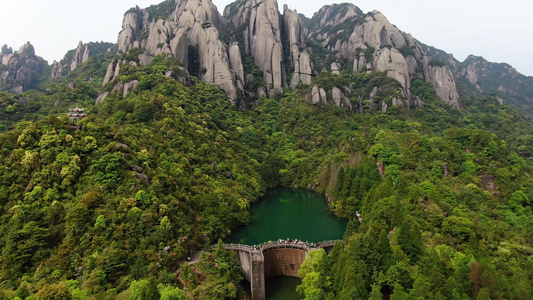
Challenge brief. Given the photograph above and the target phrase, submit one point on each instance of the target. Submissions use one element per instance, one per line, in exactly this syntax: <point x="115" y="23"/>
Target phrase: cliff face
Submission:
<point x="255" y="50"/>
<point x="371" y="42"/>
<point x="74" y="58"/>
<point x="480" y="77"/>
<point x="194" y="31"/>
<point x="192" y="27"/>
<point x="20" y="70"/>
<point x="294" y="30"/>
<point x="260" y="24"/>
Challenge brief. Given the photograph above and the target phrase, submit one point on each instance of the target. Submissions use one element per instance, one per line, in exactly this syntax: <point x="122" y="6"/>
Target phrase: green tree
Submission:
<point x="171" y="293"/>
<point x="54" y="292"/>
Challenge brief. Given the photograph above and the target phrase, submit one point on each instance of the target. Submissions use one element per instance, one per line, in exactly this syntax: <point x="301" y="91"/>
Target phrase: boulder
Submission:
<point x="236" y="61"/>
<point x="335" y="68"/>
<point x="125" y="88"/>
<point x="417" y="102"/>
<point x="159" y="32"/>
<point x="110" y="72"/>
<point x="261" y="92"/>
<point x="145" y="59"/>
<point x="116" y="73"/>
<point x="179" y="46"/>
<point x="130" y="87"/>
<point x="384" y="107"/>
<point x="340" y="99"/>
<point x="315" y="95"/>
<point x="101" y="98"/>
<point x="323" y="97"/>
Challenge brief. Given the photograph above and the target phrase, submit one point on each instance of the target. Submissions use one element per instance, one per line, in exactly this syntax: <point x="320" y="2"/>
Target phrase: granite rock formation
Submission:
<point x="260" y="24"/>
<point x="74" y="58"/>
<point x="371" y="42"/>
<point x="192" y="24"/>
<point x="20" y="70"/>
<point x="254" y="51"/>
<point x="483" y="78"/>
<point x="276" y="43"/>
<point x="299" y="56"/>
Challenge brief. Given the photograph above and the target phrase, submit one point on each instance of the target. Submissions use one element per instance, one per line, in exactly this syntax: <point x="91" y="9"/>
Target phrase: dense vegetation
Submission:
<point x="439" y="201"/>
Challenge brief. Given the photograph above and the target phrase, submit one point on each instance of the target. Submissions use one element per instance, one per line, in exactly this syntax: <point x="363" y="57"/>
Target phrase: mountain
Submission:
<point x="253" y="49"/>
<point x="477" y="76"/>
<point x="254" y="39"/>
<point x="74" y="58"/>
<point x="186" y="121"/>
<point x="20" y="70"/>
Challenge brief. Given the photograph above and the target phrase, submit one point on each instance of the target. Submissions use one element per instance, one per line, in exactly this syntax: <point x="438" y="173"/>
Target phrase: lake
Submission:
<point x="289" y="213"/>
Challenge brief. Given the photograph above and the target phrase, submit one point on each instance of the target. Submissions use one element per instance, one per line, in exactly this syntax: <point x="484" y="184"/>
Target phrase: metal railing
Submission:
<point x="279" y="244"/>
<point x="232" y="246"/>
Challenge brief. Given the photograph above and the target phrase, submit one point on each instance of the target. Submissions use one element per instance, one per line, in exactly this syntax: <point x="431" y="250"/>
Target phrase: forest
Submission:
<point x="438" y="200"/>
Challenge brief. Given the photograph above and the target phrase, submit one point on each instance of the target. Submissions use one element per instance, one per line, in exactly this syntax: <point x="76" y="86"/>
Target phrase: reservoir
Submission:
<point x="288" y="214"/>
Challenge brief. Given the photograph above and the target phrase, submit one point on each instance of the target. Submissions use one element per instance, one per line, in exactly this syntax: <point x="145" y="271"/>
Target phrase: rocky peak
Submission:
<point x="260" y="24"/>
<point x="253" y="39"/>
<point x="133" y="24"/>
<point x="202" y="10"/>
<point x="480" y="65"/>
<point x="74" y="58"/>
<point x="477" y="76"/>
<point x="372" y="43"/>
<point x="6" y="50"/>
<point x="27" y="50"/>
<point x="190" y="26"/>
<point x="377" y="32"/>
<point x="255" y="29"/>
<point x="299" y="57"/>
<point x="199" y="17"/>
<point x="81" y="55"/>
<point x="334" y="14"/>
<point x="392" y="62"/>
<point x="499" y="78"/>
<point x="20" y="70"/>
<point x="441" y="77"/>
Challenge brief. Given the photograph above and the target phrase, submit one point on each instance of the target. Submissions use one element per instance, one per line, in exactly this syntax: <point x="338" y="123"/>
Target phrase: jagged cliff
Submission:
<point x="260" y="24"/>
<point x="299" y="56"/>
<point x="254" y="50"/>
<point x="19" y="70"/>
<point x="74" y="58"/>
<point x="191" y="33"/>
<point x="371" y="42"/>
<point x="219" y="49"/>
<point x="478" y="76"/>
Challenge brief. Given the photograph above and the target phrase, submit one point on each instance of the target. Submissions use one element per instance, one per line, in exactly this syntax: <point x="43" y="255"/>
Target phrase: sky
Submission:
<point x="500" y="31"/>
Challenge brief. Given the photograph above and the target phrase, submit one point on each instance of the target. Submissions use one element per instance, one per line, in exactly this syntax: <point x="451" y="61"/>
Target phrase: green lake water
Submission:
<point x="288" y="213"/>
<point x="282" y="288"/>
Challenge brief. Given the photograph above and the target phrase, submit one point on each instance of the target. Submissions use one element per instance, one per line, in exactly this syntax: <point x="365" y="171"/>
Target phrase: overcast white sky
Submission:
<point x="500" y="31"/>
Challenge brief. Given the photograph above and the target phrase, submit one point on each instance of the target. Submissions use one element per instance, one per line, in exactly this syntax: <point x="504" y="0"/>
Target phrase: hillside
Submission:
<point x="194" y="114"/>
